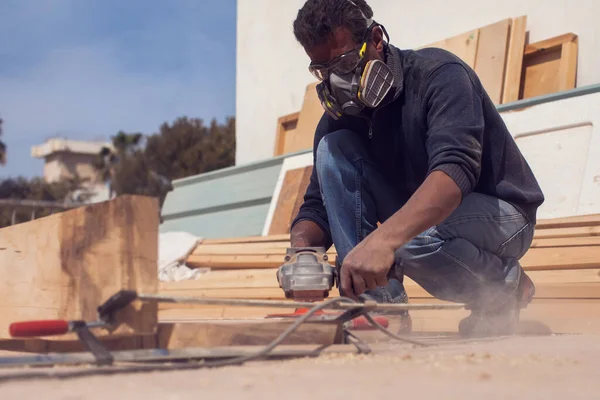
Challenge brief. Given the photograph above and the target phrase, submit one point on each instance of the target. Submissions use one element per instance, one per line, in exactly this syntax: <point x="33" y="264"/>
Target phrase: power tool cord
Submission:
<point x="111" y="370"/>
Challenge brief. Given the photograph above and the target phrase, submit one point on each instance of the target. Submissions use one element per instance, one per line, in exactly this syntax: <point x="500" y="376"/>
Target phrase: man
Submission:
<point x="411" y="140"/>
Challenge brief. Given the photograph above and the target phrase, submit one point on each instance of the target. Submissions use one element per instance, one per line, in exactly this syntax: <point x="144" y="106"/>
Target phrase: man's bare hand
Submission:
<point x="366" y="267"/>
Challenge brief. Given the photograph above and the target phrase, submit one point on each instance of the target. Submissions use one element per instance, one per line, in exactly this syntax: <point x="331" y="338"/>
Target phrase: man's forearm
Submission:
<point x="431" y="204"/>
<point x="308" y="234"/>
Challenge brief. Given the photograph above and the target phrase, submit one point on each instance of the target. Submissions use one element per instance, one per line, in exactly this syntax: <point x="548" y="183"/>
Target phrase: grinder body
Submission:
<point x="306" y="274"/>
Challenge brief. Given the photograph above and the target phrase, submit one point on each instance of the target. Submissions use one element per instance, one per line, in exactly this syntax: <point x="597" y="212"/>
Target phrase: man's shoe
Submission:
<point x="499" y="321"/>
<point x="392" y="293"/>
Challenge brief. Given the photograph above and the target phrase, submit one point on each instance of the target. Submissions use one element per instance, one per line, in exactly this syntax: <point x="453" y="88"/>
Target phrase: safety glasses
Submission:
<point x="340" y="65"/>
<point x="344" y="63"/>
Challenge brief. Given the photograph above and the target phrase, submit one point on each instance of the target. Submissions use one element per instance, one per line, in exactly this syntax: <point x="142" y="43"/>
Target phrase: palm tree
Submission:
<point x="110" y="161"/>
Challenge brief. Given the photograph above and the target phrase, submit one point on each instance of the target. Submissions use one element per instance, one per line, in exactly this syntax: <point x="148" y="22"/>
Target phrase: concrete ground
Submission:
<point x="545" y="367"/>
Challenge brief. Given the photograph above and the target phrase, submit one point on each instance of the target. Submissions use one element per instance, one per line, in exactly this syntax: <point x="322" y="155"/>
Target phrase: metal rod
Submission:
<point x="296" y="304"/>
<point x="165" y="355"/>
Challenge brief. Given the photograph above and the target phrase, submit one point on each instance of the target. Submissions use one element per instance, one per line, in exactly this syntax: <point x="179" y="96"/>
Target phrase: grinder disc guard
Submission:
<point x="306" y="274"/>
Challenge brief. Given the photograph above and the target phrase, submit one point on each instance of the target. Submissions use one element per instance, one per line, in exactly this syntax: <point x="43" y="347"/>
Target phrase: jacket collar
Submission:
<point x="394" y="60"/>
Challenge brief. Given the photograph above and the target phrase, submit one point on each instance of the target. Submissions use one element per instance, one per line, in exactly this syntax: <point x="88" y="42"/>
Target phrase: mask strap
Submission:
<point x="369" y="20"/>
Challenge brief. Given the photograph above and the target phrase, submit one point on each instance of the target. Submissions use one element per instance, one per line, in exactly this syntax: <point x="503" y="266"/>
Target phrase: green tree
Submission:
<point x="146" y="165"/>
<point x="187" y="147"/>
<point x="124" y="167"/>
<point x="36" y="188"/>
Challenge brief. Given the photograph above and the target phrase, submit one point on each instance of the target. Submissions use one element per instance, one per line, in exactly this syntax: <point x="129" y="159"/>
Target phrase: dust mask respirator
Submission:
<point x="350" y="85"/>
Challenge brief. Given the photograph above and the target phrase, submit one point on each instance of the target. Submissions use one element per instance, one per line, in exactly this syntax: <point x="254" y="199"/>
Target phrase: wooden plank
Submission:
<point x="65" y="265"/>
<point x="240" y="248"/>
<point x="464" y="46"/>
<point x="69" y="346"/>
<point x="285" y="125"/>
<point x="490" y="62"/>
<point x="265" y="278"/>
<point x="179" y="335"/>
<point x="262" y="284"/>
<point x="279" y="248"/>
<point x="550" y="66"/>
<point x="565" y="276"/>
<point x="185" y="312"/>
<point x="581" y="231"/>
<point x="567" y="70"/>
<point x="310" y="114"/>
<point x="569" y="222"/>
<point x="294" y="186"/>
<point x="264" y="293"/>
<point x="576" y="257"/>
<point x="590" y="290"/>
<point x="545" y="228"/>
<point x="250" y="239"/>
<point x="549" y="44"/>
<point x="300" y="196"/>
<point x="567" y="242"/>
<point x="514" y="62"/>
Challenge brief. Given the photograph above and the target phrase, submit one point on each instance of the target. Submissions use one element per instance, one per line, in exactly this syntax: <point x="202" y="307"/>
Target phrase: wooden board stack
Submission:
<point x="564" y="263"/>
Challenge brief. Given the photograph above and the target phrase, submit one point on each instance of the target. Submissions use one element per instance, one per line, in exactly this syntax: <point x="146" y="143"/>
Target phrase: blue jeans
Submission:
<point x="471" y="256"/>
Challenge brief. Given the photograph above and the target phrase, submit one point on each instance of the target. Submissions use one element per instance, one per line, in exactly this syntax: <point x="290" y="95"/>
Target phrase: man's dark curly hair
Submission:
<point x="318" y="19"/>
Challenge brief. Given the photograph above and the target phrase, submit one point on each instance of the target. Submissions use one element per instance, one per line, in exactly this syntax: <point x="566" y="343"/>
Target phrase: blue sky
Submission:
<point x="85" y="69"/>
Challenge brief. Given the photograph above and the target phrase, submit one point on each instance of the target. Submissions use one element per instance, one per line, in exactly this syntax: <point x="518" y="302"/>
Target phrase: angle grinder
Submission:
<point x="306" y="274"/>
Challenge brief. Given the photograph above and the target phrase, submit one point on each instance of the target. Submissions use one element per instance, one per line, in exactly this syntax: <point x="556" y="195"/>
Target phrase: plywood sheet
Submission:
<point x="544" y="122"/>
<point x="303" y="136"/>
<point x="558" y="159"/>
<point x="65" y="265"/>
<point x="464" y="46"/>
<point x="490" y="62"/>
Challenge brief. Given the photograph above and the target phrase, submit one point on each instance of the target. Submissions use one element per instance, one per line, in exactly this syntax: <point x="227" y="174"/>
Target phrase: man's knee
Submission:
<point x="337" y="147"/>
<point x="415" y="253"/>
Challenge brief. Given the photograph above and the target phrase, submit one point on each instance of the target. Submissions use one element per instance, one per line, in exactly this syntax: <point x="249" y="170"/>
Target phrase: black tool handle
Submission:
<point x="116" y="302"/>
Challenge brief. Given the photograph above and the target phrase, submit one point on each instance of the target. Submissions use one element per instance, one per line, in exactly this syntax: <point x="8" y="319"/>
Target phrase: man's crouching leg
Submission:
<point x="472" y="258"/>
<point x="355" y="196"/>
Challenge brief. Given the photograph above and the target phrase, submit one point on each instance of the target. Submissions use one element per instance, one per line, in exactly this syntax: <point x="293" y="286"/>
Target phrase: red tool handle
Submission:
<point x="361" y="323"/>
<point x="39" y="328"/>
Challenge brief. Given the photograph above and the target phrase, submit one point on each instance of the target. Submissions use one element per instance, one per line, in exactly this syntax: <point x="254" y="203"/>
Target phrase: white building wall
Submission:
<point x="272" y="68"/>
